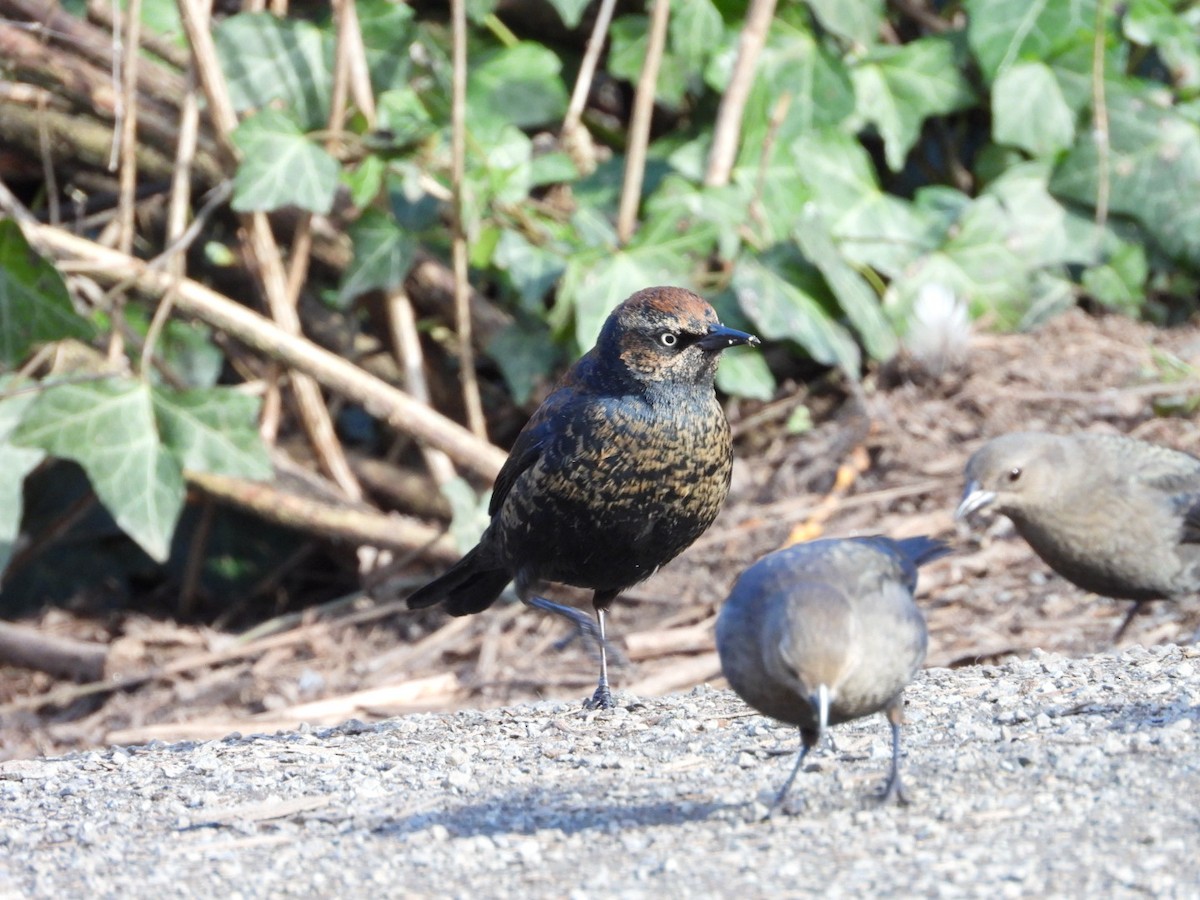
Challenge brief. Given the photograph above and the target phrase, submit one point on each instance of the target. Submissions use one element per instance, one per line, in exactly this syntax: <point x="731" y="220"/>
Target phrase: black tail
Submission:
<point x="469" y="587"/>
<point x="920" y="550"/>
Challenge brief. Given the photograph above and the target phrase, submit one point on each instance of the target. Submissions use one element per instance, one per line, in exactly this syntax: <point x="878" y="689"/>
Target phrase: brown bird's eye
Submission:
<point x="668" y="339"/>
<point x="1014" y="474"/>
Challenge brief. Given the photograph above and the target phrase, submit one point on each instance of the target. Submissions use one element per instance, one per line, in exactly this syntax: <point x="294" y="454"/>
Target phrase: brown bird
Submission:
<point x="827" y="631"/>
<point x="1111" y="514"/>
<point x="621" y="468"/>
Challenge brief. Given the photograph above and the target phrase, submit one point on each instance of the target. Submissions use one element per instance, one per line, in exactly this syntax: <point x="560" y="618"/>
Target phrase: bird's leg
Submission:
<point x="894" y="789"/>
<point x="584" y="626"/>
<point x="602" y="698"/>
<point x="787" y="785"/>
<point x="1129" y="617"/>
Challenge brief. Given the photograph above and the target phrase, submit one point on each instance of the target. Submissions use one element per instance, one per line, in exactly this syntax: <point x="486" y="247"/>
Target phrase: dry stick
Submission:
<point x="334" y="519"/>
<point x="177" y="211"/>
<point x="127" y="125"/>
<point x="728" y="129"/>
<point x="30" y="648"/>
<point x="576" y="139"/>
<point x="380" y="399"/>
<point x="458" y="152"/>
<point x="355" y="53"/>
<point x="48" y="174"/>
<point x="403" y="323"/>
<point x="1100" y="123"/>
<point x="264" y="252"/>
<point x="639" y="126"/>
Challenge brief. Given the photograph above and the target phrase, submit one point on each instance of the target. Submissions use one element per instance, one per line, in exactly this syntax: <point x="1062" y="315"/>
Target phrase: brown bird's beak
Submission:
<point x="720" y="338"/>
<point x="974" y="497"/>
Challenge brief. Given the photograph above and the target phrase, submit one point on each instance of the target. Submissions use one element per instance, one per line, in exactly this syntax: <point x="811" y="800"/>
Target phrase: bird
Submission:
<point x="1112" y="514"/>
<point x="620" y="469"/>
<point x="826" y="631"/>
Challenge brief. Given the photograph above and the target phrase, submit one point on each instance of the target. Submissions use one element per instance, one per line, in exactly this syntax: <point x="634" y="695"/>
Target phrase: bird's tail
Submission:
<point x="470" y="586"/>
<point x="923" y="549"/>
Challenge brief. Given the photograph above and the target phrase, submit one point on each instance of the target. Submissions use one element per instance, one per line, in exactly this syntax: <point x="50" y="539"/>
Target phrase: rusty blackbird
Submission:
<point x="621" y="468"/>
<point x="827" y="631"/>
<point x="1114" y="515"/>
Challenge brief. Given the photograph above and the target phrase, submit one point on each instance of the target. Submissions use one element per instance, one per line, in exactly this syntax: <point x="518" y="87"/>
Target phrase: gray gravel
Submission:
<point x="1045" y="776"/>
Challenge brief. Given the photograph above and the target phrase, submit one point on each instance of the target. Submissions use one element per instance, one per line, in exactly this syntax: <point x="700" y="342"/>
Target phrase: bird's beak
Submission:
<point x="974" y="497"/>
<point x="720" y="338"/>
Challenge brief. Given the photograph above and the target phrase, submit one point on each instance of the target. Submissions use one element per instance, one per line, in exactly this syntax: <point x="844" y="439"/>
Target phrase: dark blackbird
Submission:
<point x="623" y="466"/>
<point x="1116" y="516"/>
<point x="827" y="631"/>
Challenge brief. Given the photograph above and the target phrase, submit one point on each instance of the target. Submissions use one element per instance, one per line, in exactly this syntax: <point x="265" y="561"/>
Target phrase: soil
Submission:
<point x="883" y="457"/>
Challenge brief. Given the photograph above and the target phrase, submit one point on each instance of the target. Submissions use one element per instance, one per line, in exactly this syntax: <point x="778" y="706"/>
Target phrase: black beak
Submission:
<point x="721" y="338"/>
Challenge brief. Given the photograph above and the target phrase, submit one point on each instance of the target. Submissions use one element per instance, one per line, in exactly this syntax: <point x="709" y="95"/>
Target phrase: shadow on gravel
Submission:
<point x="533" y="812"/>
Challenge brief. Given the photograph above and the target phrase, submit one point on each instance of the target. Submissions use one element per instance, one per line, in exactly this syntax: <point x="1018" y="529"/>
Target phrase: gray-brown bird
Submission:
<point x="827" y="631"/>
<point x="619" y="470"/>
<point x="1111" y="514"/>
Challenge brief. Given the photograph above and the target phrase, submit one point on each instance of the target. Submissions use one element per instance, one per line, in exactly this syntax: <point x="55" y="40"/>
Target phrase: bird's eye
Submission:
<point x="1014" y="474"/>
<point x="668" y="339"/>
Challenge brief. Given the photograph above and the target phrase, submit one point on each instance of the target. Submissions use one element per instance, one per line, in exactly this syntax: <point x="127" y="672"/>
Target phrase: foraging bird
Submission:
<point x="827" y="631"/>
<point x="1111" y="514"/>
<point x="621" y="468"/>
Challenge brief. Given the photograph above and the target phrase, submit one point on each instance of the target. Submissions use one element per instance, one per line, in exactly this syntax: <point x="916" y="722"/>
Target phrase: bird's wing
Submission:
<point x="1189" y="507"/>
<point x="1165" y="469"/>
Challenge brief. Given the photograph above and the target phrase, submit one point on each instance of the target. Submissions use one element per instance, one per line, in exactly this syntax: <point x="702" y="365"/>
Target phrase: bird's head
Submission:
<point x="668" y="334"/>
<point x="1014" y="472"/>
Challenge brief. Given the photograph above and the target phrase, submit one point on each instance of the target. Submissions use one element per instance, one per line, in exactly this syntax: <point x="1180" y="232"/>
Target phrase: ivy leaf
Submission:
<point x="383" y="254"/>
<point x="35" y="307"/>
<point x="15" y="464"/>
<point x="108" y="427"/>
<point x="857" y="21"/>
<point x="854" y="295"/>
<point x="1029" y="110"/>
<point x="1153" y="172"/>
<point x="743" y="372"/>
<point x="1002" y="33"/>
<point x="695" y="30"/>
<point x="266" y="58"/>
<point x="519" y="85"/>
<point x="899" y="87"/>
<point x="776" y="293"/>
<point x="570" y="11"/>
<point x="212" y="430"/>
<point x="281" y="167"/>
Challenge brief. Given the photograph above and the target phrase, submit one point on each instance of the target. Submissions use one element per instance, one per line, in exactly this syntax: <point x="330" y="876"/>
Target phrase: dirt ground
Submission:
<point x="885" y="459"/>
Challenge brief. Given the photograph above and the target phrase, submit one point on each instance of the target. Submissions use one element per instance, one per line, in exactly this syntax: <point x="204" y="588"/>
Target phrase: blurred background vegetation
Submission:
<point x="276" y="288"/>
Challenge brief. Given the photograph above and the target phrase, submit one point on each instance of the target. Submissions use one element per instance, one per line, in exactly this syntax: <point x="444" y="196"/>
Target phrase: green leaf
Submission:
<point x="525" y="354"/>
<point x="857" y="21"/>
<point x="365" y="180"/>
<point x="266" y="58"/>
<point x="899" y="87"/>
<point x="1153" y="172"/>
<point x="213" y="430"/>
<point x="386" y="26"/>
<point x="627" y="54"/>
<point x="1155" y="23"/>
<point x="404" y="117"/>
<point x="1120" y="281"/>
<point x="108" y="427"/>
<point x="532" y="270"/>
<point x="695" y="30"/>
<point x="854" y="295"/>
<point x="744" y="373"/>
<point x="1002" y="33"/>
<point x="769" y="290"/>
<point x="1029" y="110"/>
<point x="383" y="254"/>
<point x="519" y="85"/>
<point x="281" y="167"/>
<point x="35" y="307"/>
<point x="15" y="464"/>
<point x="570" y="11"/>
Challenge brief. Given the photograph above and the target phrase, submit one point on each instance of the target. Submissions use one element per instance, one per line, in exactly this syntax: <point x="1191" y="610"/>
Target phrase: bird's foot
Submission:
<point x="602" y="699"/>
<point x="893" y="790"/>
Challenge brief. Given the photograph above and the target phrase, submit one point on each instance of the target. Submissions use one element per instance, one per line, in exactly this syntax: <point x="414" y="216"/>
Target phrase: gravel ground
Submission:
<point x="1048" y="776"/>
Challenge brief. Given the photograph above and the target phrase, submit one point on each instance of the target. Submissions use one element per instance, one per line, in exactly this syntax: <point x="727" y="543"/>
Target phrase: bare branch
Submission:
<point x="639" y="126"/>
